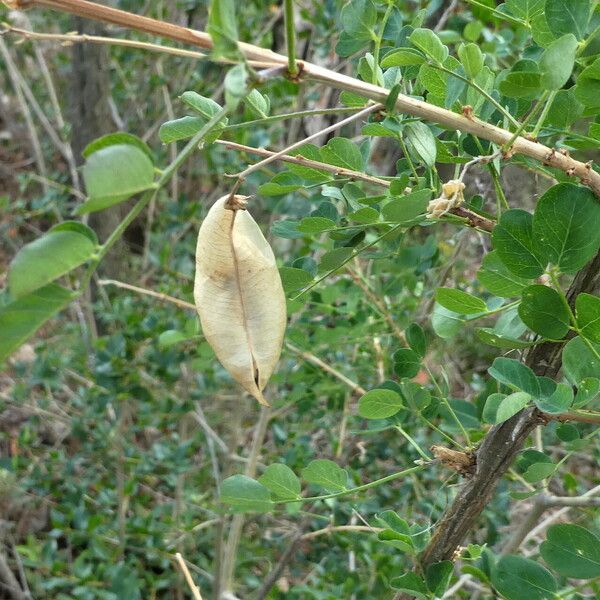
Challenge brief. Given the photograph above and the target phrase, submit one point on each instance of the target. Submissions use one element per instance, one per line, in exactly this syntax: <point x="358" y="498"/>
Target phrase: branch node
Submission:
<point x="297" y="76"/>
<point x="467" y="111"/>
<point x="461" y="462"/>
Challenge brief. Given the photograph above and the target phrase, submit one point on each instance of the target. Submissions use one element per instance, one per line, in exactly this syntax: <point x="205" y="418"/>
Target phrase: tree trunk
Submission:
<point x="501" y="444"/>
<point x="91" y="118"/>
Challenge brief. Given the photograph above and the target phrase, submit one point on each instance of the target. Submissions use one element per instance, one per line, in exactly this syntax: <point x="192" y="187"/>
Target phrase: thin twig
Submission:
<point x="186" y="573"/>
<point x="147" y="292"/>
<point x="237" y="523"/>
<point x="404" y="104"/>
<point x="263" y="163"/>
<point x="306" y="162"/>
<point x="541" y="504"/>
<point x="315" y="360"/>
<point x="83" y="38"/>
<point x="33" y="136"/>
<point x="340" y="528"/>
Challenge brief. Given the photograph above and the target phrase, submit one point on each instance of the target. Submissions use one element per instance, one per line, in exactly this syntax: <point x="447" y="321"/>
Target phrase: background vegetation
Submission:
<point x="124" y="442"/>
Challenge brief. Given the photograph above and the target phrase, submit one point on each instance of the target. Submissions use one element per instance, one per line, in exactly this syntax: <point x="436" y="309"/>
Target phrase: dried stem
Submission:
<point x="306" y="162"/>
<point x="147" y="292"/>
<point x="541" y="504"/>
<point x="35" y="140"/>
<point x="237" y="523"/>
<point x="259" y="165"/>
<point x="186" y="573"/>
<point x="404" y="104"/>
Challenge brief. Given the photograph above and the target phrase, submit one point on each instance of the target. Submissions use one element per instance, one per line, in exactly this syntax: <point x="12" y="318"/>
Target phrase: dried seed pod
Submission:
<point x="239" y="295"/>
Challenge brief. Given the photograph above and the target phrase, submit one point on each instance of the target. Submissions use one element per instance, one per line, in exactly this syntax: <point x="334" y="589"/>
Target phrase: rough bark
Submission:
<point x="502" y="443"/>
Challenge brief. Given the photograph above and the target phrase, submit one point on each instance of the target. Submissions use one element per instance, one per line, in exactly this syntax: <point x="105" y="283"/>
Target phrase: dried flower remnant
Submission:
<point x="452" y="197"/>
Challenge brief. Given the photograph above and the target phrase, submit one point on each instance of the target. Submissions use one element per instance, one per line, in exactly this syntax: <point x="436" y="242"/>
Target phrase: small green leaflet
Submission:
<point x="281" y="481"/>
<point x="245" y="494"/>
<point x="60" y="250"/>
<point x="517" y="578"/>
<point x="572" y="551"/>
<point x="459" y="301"/>
<point x="379" y="404"/>
<point x="327" y="474"/>
<point x="21" y="318"/>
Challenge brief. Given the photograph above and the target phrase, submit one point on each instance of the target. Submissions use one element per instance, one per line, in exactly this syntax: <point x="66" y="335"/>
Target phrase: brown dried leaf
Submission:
<point x="239" y="295"/>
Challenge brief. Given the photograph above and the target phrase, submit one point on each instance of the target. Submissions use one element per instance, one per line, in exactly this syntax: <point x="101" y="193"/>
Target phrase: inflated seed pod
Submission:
<point x="239" y="295"/>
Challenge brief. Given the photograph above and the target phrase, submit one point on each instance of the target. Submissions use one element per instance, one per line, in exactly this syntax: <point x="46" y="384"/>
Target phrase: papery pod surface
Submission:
<point x="239" y="295"/>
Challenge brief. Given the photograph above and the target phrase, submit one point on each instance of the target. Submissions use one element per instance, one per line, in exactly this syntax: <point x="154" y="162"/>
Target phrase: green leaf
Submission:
<point x="495" y="276"/>
<point x="412" y="584"/>
<point x="579" y="362"/>
<point x="429" y="43"/>
<point x="540" y="31"/>
<point x="543" y="311"/>
<point x="556" y="63"/>
<point x="471" y="59"/>
<point x="334" y="259"/>
<point x="588" y="316"/>
<point x="415" y="336"/>
<point x="516" y="578"/>
<point x="406" y="362"/>
<point x="514" y="243"/>
<point x="287" y="229"/>
<point x="500" y="340"/>
<point x="294" y="279"/>
<point x="511" y="405"/>
<point x="572" y="551"/>
<point x="113" y="174"/>
<point x="565" y="226"/>
<point x="282" y="183"/>
<point x="236" y="86"/>
<point x="446" y="323"/>
<point x="365" y="215"/>
<point x="514" y="373"/>
<point x="112" y="139"/>
<point x="403" y="57"/>
<point x="22" y="317"/>
<point x="525" y="9"/>
<point x="420" y="139"/>
<point x="587" y="389"/>
<point x="327" y="474"/>
<point x="172" y="337"/>
<point x="567" y="432"/>
<point x="565" y="109"/>
<point x="281" y="481"/>
<point x="316" y="224"/>
<point x="459" y="301"/>
<point x="258" y="103"/>
<point x="490" y="409"/>
<point x="587" y="89"/>
<point x="438" y="577"/>
<point x="406" y="208"/>
<point x="359" y="18"/>
<point x="379" y="404"/>
<point x="60" y="250"/>
<point x="341" y="152"/>
<point x="568" y="16"/>
<point x="559" y="402"/>
<point x="539" y="471"/>
<point x="204" y="106"/>
<point x="180" y="129"/>
<point x="521" y="84"/>
<point x="222" y="28"/>
<point x="245" y="494"/>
